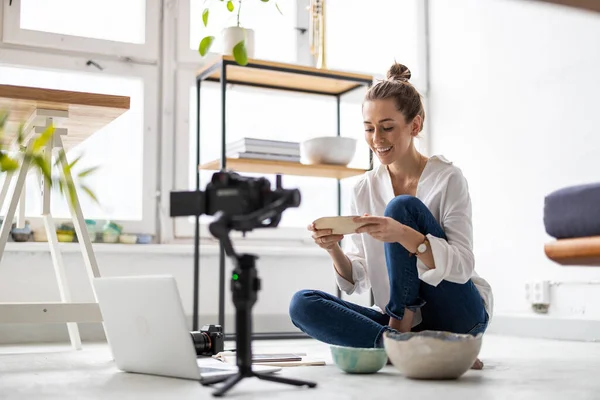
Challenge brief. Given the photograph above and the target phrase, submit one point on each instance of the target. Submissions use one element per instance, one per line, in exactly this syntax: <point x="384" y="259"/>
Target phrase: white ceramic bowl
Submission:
<point x="432" y="354"/>
<point x="335" y="150"/>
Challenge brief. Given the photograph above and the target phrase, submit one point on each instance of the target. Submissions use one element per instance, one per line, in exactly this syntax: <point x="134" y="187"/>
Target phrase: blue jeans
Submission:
<point x="450" y="307"/>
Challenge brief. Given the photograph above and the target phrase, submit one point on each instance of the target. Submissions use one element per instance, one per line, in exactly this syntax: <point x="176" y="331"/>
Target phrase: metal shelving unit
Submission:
<point x="278" y="76"/>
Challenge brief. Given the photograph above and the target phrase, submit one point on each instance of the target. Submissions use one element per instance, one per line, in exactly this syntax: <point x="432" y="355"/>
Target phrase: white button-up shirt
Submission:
<point x="444" y="190"/>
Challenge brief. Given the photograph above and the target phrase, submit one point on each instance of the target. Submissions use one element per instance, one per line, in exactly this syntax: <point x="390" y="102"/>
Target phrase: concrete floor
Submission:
<point x="515" y="369"/>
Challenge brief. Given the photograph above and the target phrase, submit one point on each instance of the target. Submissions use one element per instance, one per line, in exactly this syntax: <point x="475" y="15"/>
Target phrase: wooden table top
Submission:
<point x="88" y="112"/>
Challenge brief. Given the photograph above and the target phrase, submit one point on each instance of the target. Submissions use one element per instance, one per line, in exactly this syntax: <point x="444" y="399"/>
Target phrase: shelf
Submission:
<point x="284" y="168"/>
<point x="284" y="76"/>
<point x="579" y="252"/>
<point x="588" y="5"/>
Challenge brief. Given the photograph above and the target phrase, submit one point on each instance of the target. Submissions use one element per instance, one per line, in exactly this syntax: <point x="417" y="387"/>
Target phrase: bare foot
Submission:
<point x="477" y="364"/>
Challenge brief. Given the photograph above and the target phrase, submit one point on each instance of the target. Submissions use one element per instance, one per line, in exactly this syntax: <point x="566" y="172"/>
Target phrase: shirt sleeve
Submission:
<point x="354" y="249"/>
<point x="454" y="260"/>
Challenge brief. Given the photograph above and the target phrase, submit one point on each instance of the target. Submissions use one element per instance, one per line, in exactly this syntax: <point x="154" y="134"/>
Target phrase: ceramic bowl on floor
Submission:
<point x="336" y="150"/>
<point x="432" y="354"/>
<point x="356" y="360"/>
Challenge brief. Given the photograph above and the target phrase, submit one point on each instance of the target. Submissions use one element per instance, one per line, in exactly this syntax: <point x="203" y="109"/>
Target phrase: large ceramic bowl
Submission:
<point x="432" y="354"/>
<point x="334" y="150"/>
<point x="356" y="360"/>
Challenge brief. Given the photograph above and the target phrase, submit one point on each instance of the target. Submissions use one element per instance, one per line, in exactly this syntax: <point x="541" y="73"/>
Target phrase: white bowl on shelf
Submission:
<point x="335" y="150"/>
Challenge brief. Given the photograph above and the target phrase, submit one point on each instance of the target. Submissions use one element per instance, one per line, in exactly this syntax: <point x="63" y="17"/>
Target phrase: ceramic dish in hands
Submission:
<point x="432" y="354"/>
<point x="355" y="360"/>
<point x="338" y="225"/>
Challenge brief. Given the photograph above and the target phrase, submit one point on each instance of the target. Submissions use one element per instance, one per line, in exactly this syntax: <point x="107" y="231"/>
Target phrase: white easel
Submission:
<point x="77" y="115"/>
<point x="52" y="312"/>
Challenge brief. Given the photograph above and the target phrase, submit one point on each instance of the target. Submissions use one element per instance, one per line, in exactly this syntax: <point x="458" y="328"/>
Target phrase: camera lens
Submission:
<point x="202" y="342"/>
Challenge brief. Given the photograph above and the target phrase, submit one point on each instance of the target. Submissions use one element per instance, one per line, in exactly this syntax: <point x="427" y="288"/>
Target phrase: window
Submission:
<point x="275" y="35"/>
<point x="126" y="18"/>
<point x="118" y="28"/>
<point x="368" y="36"/>
<point x="122" y="149"/>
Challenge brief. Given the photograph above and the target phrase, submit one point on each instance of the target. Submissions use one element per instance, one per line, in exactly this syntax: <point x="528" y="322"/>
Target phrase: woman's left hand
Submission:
<point x="385" y="229"/>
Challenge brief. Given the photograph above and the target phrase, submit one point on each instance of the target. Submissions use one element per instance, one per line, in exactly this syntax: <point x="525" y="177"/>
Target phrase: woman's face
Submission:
<point x="386" y="131"/>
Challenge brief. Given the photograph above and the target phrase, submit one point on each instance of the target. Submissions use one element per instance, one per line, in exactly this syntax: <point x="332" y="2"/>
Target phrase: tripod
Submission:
<point x="245" y="285"/>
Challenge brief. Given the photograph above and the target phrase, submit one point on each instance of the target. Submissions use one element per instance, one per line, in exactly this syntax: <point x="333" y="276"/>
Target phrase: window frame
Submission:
<point x="183" y="52"/>
<point x="147" y="52"/>
<point x="24" y="58"/>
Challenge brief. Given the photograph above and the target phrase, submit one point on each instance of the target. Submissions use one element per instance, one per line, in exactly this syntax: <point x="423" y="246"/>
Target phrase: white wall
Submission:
<point x="515" y="103"/>
<point x="26" y="275"/>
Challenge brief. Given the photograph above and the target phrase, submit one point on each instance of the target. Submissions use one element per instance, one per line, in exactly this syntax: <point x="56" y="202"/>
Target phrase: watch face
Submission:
<point x="422" y="248"/>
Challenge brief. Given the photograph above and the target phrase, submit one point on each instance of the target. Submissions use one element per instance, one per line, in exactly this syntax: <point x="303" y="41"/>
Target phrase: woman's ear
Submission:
<point x="415" y="125"/>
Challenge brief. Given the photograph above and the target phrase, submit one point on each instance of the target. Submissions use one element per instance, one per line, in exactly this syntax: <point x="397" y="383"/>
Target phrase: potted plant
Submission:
<point x="237" y="40"/>
<point x="9" y="162"/>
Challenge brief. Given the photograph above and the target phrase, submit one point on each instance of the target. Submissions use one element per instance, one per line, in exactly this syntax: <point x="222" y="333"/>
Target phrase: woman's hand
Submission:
<point x="385" y="229"/>
<point x="324" y="238"/>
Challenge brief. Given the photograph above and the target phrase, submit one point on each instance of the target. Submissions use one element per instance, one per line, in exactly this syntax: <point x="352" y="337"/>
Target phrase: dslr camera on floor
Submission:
<point x="209" y="340"/>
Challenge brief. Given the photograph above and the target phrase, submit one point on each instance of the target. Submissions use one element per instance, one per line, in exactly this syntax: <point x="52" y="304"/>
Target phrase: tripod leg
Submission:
<point x="288" y="381"/>
<point x="214" y="379"/>
<point x="229" y="383"/>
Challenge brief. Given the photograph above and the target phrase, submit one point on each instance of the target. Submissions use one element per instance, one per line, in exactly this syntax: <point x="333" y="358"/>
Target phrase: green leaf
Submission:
<point x="44" y="165"/>
<point x="90" y="193"/>
<point x="230" y="5"/>
<point x="72" y="194"/>
<point x="239" y="53"/>
<point x="264" y="1"/>
<point x="278" y="9"/>
<point x="70" y="189"/>
<point x="8" y="164"/>
<point x="87" y="171"/>
<point x="21" y="134"/>
<point x="205" y="16"/>
<point x="75" y="161"/>
<point x="3" y="118"/>
<point x="43" y="139"/>
<point x="205" y="45"/>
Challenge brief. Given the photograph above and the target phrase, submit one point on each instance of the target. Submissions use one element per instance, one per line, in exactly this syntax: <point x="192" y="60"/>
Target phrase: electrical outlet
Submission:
<point x="538" y="292"/>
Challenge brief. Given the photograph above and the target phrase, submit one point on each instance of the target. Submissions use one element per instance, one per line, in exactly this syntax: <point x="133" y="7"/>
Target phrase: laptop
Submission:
<point x="146" y="329"/>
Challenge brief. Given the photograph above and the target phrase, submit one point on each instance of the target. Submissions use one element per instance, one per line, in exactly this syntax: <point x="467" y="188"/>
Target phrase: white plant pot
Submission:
<point x="233" y="35"/>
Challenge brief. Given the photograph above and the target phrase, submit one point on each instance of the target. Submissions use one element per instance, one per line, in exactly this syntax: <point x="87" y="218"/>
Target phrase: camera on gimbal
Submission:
<point x="240" y="204"/>
<point x="246" y="201"/>
<point x="209" y="340"/>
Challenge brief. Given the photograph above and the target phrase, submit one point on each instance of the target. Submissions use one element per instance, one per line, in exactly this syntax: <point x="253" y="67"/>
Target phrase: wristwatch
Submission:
<point x="422" y="248"/>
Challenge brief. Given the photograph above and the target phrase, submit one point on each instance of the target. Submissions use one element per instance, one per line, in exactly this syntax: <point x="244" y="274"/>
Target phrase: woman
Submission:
<point x="415" y="246"/>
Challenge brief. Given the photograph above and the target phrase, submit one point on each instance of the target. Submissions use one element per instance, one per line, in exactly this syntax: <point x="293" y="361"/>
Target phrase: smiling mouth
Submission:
<point x="383" y="150"/>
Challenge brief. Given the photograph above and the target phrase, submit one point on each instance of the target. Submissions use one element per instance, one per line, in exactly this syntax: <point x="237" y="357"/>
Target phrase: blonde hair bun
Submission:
<point x="398" y="72"/>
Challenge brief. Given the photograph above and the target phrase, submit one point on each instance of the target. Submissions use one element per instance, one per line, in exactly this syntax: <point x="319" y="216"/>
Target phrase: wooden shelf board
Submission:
<point x="285" y="76"/>
<point x="284" y="168"/>
<point x="579" y="251"/>
<point x="88" y="112"/>
<point x="588" y="5"/>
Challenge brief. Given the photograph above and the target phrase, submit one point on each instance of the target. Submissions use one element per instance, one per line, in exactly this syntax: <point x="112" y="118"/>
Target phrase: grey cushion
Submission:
<point x="573" y="211"/>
